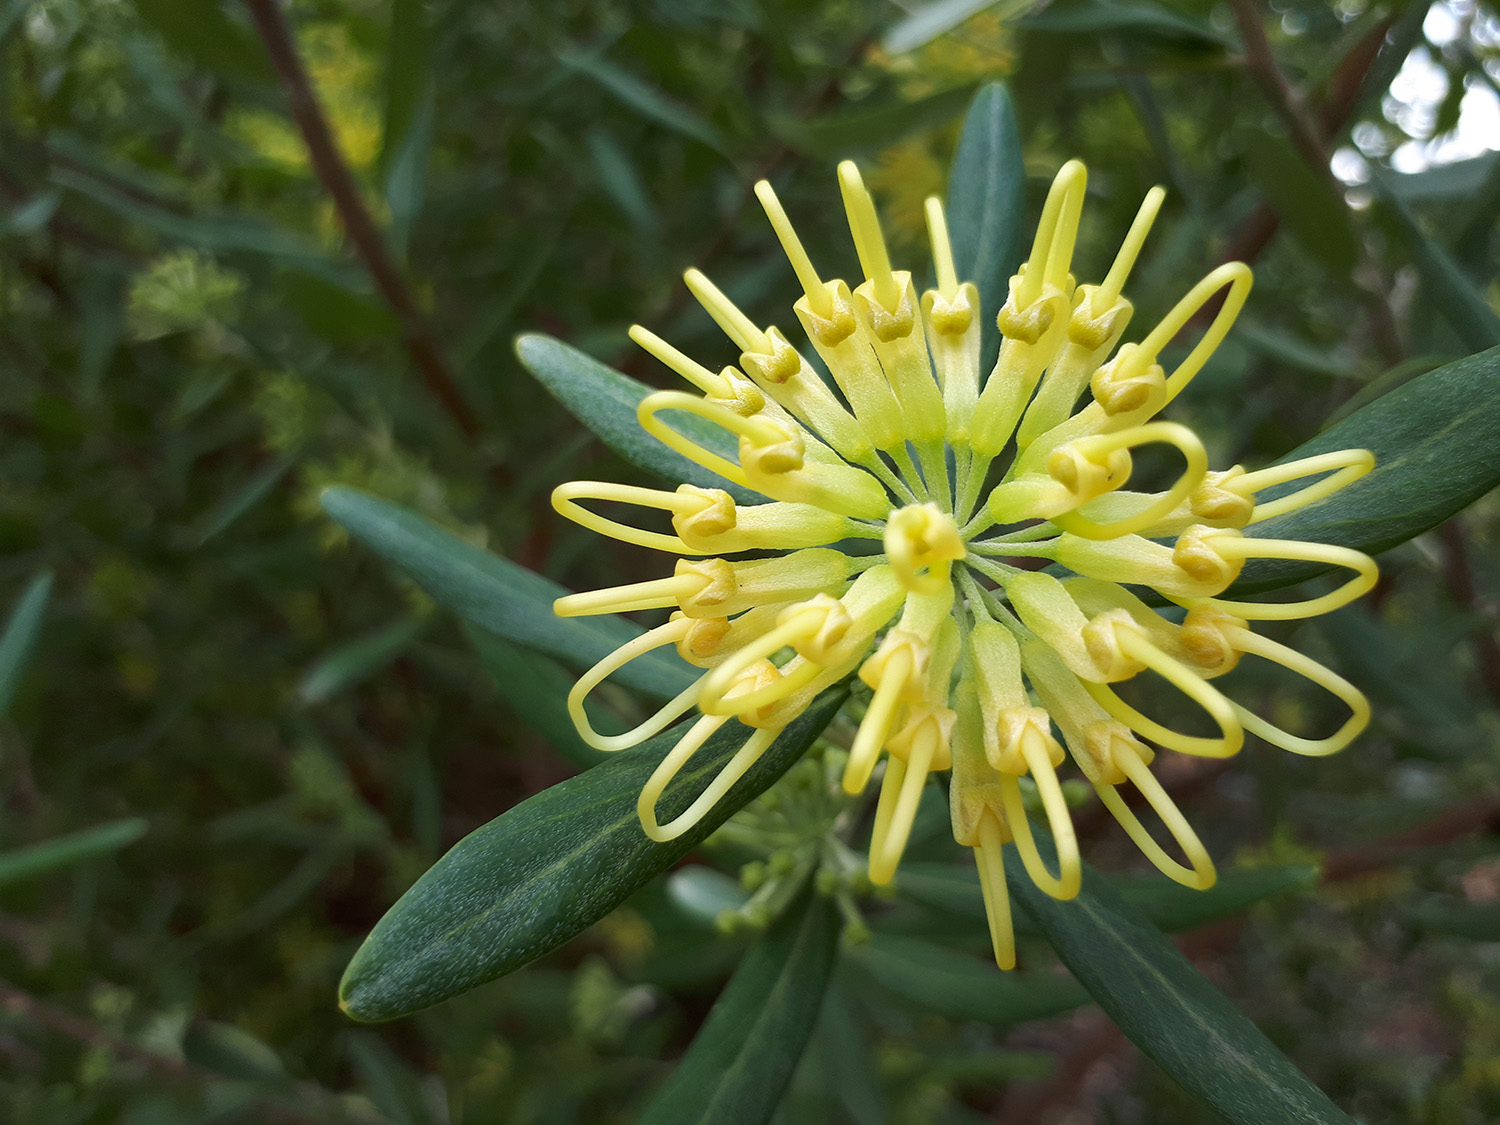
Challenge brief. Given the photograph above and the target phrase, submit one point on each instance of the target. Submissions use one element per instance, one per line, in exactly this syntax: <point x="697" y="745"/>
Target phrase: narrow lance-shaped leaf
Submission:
<point x="495" y="593"/>
<point x="548" y="869"/>
<point x="21" y="632"/>
<point x="743" y="1057"/>
<point x="940" y="17"/>
<point x="65" y="851"/>
<point x="355" y="661"/>
<point x="605" y="401"/>
<point x="642" y="97"/>
<point x="1434" y="439"/>
<point x="935" y="979"/>
<point x="1451" y="293"/>
<point x="987" y="206"/>
<point x="1167" y="1008"/>
<point x="869" y="128"/>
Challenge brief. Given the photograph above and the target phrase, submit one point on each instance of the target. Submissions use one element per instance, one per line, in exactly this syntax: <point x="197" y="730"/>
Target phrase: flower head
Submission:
<point x="895" y="544"/>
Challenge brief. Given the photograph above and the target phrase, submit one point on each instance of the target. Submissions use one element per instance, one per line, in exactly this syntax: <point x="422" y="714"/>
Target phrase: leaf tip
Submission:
<point x="529" y="346"/>
<point x="335" y="500"/>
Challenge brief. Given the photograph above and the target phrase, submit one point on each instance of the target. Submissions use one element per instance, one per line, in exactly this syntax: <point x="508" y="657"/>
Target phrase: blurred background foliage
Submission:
<point x="193" y="346"/>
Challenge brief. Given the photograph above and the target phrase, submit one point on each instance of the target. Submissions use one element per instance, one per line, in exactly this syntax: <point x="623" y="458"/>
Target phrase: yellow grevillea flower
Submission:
<point x="994" y="671"/>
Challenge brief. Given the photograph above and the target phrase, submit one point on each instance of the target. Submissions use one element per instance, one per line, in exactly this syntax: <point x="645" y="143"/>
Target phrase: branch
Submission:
<point x="1310" y="135"/>
<point x="338" y="181"/>
<point x="1475" y="816"/>
<point x="315" y="1105"/>
<point x="1278" y="91"/>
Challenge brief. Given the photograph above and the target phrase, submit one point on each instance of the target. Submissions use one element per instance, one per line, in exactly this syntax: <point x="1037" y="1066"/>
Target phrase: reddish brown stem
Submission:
<point x="331" y="169"/>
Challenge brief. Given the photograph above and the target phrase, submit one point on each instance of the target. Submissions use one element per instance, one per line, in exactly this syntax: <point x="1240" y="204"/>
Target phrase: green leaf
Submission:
<point x="537" y="689"/>
<point x="232" y="1051"/>
<point x="203" y="33"/>
<point x="1309" y="204"/>
<point x="548" y="869"/>
<point x="936" y="979"/>
<point x="869" y="128"/>
<point x="1173" y="908"/>
<point x="987" y="206"/>
<point x="31" y="216"/>
<point x="1402" y="36"/>
<point x="227" y="511"/>
<point x="621" y="181"/>
<point x="1167" y="1008"/>
<point x="605" y="401"/>
<point x="1434" y="440"/>
<point x="1090" y="17"/>
<point x="940" y="17"/>
<point x="220" y="231"/>
<point x="408" y="75"/>
<point x="409" y="116"/>
<point x="954" y="888"/>
<point x="495" y="593"/>
<point x="1449" y="291"/>
<point x="356" y="661"/>
<point x="741" y="1060"/>
<point x="644" y="98"/>
<point x="340" y="314"/>
<point x="22" y="629"/>
<point x="65" y="851"/>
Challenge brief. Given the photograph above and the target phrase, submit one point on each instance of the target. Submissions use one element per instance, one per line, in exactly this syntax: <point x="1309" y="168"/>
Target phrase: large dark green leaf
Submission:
<point x="495" y="593"/>
<point x="936" y="979"/>
<point x="605" y="401"/>
<point x="537" y="690"/>
<point x="987" y="206"/>
<point x="1167" y="1008"/>
<point x="1436" y="441"/>
<point x="548" y="869"/>
<point x="743" y="1057"/>
<point x="21" y="632"/>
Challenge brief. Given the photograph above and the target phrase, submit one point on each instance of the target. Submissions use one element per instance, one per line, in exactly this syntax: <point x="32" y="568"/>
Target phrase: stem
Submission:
<point x="1043" y="550"/>
<point x="339" y="182"/>
<point x="999" y="571"/>
<point x="1042" y="530"/>
<point x="935" y="469"/>
<point x="1309" y="136"/>
<point x="877" y="466"/>
<point x="909" y="473"/>
<point x="978" y="469"/>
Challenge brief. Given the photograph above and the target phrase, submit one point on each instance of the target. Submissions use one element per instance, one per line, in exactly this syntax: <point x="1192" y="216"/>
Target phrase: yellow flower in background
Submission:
<point x="993" y="670"/>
